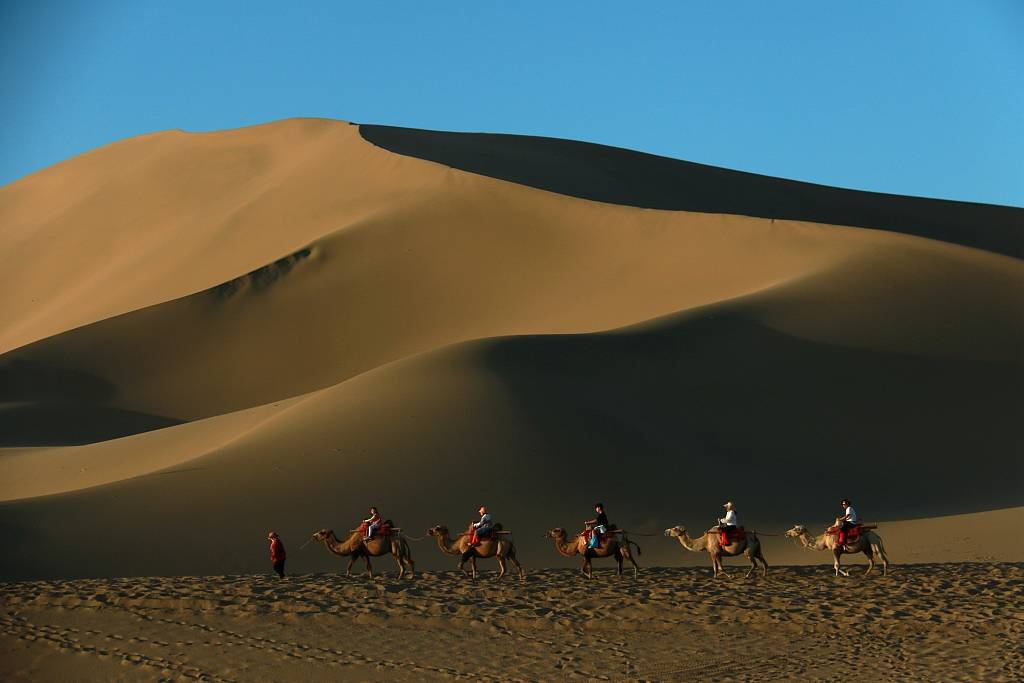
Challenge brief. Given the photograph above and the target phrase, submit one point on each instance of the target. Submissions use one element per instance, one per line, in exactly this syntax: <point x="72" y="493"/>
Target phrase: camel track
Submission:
<point x="957" y="621"/>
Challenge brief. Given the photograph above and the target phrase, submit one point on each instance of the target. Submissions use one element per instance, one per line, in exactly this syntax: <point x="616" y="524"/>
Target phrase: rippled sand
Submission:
<point x="923" y="622"/>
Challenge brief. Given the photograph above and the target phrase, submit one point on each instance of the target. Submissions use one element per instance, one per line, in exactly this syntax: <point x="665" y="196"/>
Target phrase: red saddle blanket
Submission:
<point x="851" y="535"/>
<point x="383" y="531"/>
<point x="733" y="536"/>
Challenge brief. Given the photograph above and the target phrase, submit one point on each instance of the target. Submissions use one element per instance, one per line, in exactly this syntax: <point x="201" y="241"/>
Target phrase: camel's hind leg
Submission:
<point x="753" y="563"/>
<point x="512" y="557"/>
<point x="501" y="566"/>
<point x="369" y="567"/>
<point x="880" y="551"/>
<point x="871" y="560"/>
<point x="472" y="566"/>
<point x="629" y="556"/>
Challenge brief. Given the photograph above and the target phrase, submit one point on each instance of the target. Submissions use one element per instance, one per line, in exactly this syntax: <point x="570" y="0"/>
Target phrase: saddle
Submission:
<point x="849" y="536"/>
<point x="382" y="531"/>
<point x="733" y="536"/>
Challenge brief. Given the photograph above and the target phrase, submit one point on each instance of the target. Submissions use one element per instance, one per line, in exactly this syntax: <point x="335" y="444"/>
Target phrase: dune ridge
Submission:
<point x="286" y="309"/>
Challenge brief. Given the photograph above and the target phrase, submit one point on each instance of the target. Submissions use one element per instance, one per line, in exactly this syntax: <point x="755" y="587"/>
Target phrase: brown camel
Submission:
<point x="868" y="543"/>
<point x="712" y="543"/>
<point x="610" y="546"/>
<point x="499" y="547"/>
<point x="356" y="547"/>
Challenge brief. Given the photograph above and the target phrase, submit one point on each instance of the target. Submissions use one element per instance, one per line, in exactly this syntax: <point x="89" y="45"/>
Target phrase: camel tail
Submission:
<point x="637" y="545"/>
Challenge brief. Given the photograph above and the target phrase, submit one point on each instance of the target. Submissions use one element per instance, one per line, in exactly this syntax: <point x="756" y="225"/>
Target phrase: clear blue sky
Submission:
<point x="912" y="97"/>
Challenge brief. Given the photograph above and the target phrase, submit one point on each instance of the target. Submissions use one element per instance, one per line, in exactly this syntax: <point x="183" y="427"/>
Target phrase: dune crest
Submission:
<point x="276" y="311"/>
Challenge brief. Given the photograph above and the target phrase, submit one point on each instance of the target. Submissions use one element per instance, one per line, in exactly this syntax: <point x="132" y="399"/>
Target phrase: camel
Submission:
<point x="868" y="543"/>
<point x="499" y="547"/>
<point x="610" y="546"/>
<point x="711" y="542"/>
<point x="356" y="547"/>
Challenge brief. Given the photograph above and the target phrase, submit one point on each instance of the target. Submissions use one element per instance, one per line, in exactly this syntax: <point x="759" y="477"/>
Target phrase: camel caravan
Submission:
<point x="485" y="539"/>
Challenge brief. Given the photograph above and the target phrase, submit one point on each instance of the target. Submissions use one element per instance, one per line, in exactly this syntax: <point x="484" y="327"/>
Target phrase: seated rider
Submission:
<point x="372" y="523"/>
<point x="597" y="526"/>
<point x="729" y="522"/>
<point x="849" y="520"/>
<point x="481" y="529"/>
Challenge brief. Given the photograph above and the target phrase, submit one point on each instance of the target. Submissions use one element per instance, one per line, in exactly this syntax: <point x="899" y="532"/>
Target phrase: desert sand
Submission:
<point x="923" y="622"/>
<point x="207" y="336"/>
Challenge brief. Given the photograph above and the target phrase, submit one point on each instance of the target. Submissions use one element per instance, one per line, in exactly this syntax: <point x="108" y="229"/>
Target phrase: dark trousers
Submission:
<point x="279" y="568"/>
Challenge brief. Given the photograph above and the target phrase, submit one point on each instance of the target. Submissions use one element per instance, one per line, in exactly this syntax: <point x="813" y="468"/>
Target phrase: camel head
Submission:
<point x="556" y="533"/>
<point x="323" y="534"/>
<point x="439" y="531"/>
<point x="796" y="532"/>
<point x="676" y="531"/>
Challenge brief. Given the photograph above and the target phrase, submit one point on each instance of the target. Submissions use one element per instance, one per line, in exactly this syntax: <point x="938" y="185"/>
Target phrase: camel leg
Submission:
<point x="401" y="567"/>
<point x="871" y="560"/>
<point x="472" y="566"/>
<point x="618" y="561"/>
<point x="351" y="561"/>
<point x="519" y="567"/>
<point x="839" y="570"/>
<point x="412" y="566"/>
<point x="878" y="550"/>
<point x="753" y="563"/>
<point x="369" y="569"/>
<point x="586" y="569"/>
<point x="636" y="567"/>
<point x="764" y="564"/>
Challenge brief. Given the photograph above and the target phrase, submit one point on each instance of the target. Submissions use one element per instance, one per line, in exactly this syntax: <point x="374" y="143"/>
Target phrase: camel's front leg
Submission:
<point x="586" y="569"/>
<point x="472" y="566"/>
<point x="618" y="561"/>
<point x="351" y="561"/>
<point x="839" y="570"/>
<point x="369" y="569"/>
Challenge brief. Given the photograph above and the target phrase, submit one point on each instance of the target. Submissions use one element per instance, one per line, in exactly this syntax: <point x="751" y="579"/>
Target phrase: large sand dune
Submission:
<point x="210" y="335"/>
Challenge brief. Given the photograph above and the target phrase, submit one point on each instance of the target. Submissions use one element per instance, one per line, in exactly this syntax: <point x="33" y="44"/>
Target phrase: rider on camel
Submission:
<point x="372" y="523"/>
<point x="729" y="522"/>
<point x="849" y="520"/>
<point x="481" y="529"/>
<point x="597" y="526"/>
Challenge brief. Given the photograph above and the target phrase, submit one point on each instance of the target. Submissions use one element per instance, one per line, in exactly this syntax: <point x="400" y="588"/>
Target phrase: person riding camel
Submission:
<point x="371" y="523"/>
<point x="596" y="526"/>
<point x="481" y="529"/>
<point x="848" y="521"/>
<point x="728" y="523"/>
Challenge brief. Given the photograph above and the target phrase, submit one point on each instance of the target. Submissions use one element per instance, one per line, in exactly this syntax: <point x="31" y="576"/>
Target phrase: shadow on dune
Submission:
<point x="663" y="422"/>
<point x="620" y="176"/>
<point x="46" y="405"/>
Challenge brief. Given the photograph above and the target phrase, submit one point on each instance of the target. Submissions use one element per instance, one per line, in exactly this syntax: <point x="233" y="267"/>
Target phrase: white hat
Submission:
<point x="728" y="504"/>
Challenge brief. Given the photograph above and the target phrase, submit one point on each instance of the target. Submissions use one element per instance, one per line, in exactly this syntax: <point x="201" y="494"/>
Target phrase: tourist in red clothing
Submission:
<point x="277" y="553"/>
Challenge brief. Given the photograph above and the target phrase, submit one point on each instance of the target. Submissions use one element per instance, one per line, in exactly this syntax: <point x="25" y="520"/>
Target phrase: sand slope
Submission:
<point x="327" y="324"/>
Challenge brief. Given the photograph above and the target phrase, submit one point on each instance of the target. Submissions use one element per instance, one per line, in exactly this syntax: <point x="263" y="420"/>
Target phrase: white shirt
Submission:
<point x="730" y="519"/>
<point x="851" y="515"/>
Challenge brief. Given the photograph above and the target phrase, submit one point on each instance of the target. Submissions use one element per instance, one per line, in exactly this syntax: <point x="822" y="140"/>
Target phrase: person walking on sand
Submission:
<point x="277" y="554"/>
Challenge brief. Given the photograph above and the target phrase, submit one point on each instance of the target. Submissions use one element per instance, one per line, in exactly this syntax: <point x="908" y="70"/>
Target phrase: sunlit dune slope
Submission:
<point x="662" y="421"/>
<point x="280" y="325"/>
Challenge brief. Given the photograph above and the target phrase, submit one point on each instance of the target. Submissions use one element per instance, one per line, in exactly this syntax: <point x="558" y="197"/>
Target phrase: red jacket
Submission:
<point x="276" y="550"/>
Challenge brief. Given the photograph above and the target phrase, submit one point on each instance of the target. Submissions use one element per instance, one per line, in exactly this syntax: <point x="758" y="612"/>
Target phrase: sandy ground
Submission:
<point x="949" y="622"/>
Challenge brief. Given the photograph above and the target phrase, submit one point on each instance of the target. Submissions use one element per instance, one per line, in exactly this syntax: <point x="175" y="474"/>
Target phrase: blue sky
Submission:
<point x="912" y="97"/>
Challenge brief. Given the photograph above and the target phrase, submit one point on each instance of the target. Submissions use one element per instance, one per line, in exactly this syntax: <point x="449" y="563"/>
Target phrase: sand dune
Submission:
<point x="211" y="335"/>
